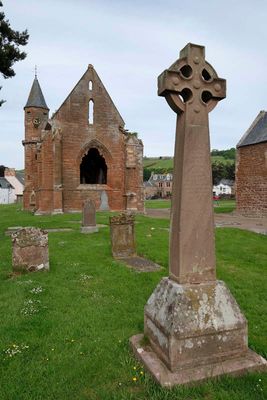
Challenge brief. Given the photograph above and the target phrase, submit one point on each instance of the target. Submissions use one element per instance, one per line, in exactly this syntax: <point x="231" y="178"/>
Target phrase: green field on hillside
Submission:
<point x="167" y="164"/>
<point x="65" y="333"/>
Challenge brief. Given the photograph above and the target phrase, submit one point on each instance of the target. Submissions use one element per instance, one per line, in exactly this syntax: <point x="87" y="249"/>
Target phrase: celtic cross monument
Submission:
<point x="193" y="326"/>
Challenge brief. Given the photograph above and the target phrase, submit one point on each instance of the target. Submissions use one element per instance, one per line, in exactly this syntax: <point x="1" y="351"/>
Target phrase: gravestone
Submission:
<point x="193" y="324"/>
<point x="122" y="235"/>
<point x="89" y="217"/>
<point x="104" y="201"/>
<point x="30" y="250"/>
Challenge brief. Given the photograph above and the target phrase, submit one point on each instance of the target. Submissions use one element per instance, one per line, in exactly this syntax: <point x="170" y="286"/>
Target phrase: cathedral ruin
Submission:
<point x="82" y="152"/>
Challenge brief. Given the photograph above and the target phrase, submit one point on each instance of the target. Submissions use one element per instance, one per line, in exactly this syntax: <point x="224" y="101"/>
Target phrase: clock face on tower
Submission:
<point x="36" y="122"/>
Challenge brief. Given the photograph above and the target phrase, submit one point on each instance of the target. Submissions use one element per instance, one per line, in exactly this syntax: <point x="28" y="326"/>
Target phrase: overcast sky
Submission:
<point x="130" y="43"/>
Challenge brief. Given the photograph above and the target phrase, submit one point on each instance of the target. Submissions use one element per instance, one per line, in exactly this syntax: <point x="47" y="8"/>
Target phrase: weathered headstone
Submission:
<point x="194" y="325"/>
<point x="104" y="201"/>
<point x="89" y="217"/>
<point x="30" y="250"/>
<point x="122" y="235"/>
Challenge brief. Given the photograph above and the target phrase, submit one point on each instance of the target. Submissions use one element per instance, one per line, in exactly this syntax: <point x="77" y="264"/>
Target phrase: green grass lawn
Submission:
<point x="220" y="206"/>
<point x="64" y="333"/>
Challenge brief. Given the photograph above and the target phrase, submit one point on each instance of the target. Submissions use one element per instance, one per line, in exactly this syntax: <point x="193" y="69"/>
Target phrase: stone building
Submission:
<point x="82" y="152"/>
<point x="159" y="185"/>
<point x="251" y="169"/>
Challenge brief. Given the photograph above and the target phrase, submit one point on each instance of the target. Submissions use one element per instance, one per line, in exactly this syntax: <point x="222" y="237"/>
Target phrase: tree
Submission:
<point x="218" y="172"/>
<point x="10" y="53"/>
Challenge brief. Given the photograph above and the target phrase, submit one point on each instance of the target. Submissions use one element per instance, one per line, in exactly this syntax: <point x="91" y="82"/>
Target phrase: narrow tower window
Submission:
<point x="90" y="85"/>
<point x="91" y="112"/>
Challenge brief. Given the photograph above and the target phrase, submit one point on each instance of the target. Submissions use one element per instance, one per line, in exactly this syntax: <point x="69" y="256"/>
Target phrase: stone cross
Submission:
<point x="192" y="89"/>
<point x="193" y="326"/>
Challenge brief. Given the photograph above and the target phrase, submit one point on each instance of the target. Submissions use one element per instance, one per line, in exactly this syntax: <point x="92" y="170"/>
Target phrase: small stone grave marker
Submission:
<point x="30" y="250"/>
<point x="123" y="243"/>
<point x="122" y="235"/>
<point x="89" y="217"/>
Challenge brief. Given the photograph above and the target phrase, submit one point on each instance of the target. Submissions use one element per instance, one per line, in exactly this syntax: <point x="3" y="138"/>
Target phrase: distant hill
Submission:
<point x="223" y="164"/>
<point x="155" y="163"/>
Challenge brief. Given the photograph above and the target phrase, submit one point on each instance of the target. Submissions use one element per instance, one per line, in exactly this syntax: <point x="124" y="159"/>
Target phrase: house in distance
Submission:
<point x="82" y="152"/>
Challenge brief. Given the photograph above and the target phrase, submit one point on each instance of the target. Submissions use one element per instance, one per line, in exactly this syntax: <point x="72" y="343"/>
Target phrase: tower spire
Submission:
<point x="36" y="97"/>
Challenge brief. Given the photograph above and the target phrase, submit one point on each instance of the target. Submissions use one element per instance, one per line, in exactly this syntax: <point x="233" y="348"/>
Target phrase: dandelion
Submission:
<point x="134" y="379"/>
<point x="141" y="372"/>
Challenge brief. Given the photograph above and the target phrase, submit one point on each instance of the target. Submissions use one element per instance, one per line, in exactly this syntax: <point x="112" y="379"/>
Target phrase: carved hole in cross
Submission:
<point x="206" y="96"/>
<point x="185" y="95"/>
<point x="206" y="75"/>
<point x="186" y="71"/>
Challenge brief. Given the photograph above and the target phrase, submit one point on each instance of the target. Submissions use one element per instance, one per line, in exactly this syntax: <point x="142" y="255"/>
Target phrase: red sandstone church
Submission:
<point x="251" y="169"/>
<point x="82" y="152"/>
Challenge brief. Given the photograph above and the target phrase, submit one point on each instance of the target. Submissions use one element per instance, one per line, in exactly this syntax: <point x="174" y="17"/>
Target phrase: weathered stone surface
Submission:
<point x="122" y="235"/>
<point x="62" y="153"/>
<point x="89" y="217"/>
<point x="251" y="180"/>
<point x="248" y="362"/>
<point x="30" y="250"/>
<point x="104" y="201"/>
<point x="194" y="326"/>
<point x="141" y="264"/>
<point x="191" y="325"/>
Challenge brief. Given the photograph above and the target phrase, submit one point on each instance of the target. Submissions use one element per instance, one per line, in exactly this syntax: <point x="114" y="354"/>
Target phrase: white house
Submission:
<point x="7" y="192"/>
<point x="225" y="186"/>
<point x="11" y="186"/>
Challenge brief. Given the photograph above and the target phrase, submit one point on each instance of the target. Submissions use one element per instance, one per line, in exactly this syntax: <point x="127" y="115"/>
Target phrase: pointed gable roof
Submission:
<point x="36" y="97"/>
<point x="257" y="132"/>
<point x="91" y="74"/>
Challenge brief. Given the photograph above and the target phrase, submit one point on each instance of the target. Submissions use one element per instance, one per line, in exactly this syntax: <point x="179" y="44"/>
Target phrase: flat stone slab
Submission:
<point x="250" y="362"/>
<point x="140" y="264"/>
<point x="98" y="225"/>
<point x="89" y="229"/>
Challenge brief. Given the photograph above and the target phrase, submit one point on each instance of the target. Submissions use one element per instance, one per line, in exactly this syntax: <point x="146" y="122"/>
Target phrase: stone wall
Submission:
<point x="53" y="155"/>
<point x="251" y="180"/>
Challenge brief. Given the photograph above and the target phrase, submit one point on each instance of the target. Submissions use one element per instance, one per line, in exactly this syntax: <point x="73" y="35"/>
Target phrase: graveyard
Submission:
<point x="67" y="330"/>
<point x="105" y="292"/>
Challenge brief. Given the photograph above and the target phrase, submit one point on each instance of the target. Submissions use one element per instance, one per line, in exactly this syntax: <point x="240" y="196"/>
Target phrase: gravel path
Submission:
<point x="232" y="220"/>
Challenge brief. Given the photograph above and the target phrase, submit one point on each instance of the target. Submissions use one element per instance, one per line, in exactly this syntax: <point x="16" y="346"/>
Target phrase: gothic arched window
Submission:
<point x="93" y="168"/>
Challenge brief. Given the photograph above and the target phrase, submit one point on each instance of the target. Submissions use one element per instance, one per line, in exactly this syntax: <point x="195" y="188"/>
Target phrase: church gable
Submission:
<point x="90" y="103"/>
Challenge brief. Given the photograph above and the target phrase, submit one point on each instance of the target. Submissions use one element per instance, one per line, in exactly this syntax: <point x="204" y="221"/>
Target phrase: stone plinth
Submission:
<point x="194" y="332"/>
<point x="30" y="250"/>
<point x="122" y="235"/>
<point x="89" y="217"/>
<point x="193" y="325"/>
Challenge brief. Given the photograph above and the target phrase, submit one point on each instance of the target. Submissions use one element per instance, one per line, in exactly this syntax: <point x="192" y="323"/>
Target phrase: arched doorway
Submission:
<point x="93" y="168"/>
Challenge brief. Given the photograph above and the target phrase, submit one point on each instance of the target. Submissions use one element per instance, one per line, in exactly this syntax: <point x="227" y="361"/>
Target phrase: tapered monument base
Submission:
<point x="194" y="332"/>
<point x="248" y="362"/>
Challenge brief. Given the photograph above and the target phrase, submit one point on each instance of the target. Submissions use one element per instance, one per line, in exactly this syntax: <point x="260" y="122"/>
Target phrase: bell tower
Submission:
<point x="36" y="114"/>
